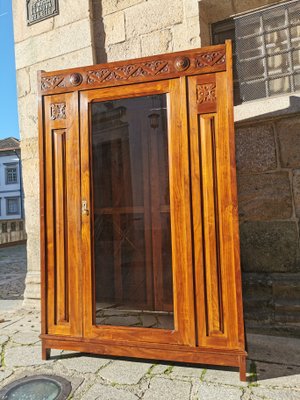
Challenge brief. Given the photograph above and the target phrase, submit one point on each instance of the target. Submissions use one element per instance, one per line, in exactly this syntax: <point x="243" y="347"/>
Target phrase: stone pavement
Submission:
<point x="274" y="369"/>
<point x="273" y="366"/>
<point x="12" y="272"/>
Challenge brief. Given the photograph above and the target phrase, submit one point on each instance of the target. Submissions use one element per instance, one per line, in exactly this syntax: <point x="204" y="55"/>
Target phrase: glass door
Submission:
<point x="138" y="281"/>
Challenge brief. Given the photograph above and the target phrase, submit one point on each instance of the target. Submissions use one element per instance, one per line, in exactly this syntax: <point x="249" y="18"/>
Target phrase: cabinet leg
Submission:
<point x="45" y="353"/>
<point x="243" y="369"/>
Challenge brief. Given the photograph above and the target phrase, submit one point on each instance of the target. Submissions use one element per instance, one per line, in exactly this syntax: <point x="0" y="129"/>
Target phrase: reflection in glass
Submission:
<point x="132" y="234"/>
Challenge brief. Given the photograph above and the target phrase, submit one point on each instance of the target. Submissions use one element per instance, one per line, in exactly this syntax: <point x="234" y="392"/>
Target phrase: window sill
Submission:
<point x="267" y="108"/>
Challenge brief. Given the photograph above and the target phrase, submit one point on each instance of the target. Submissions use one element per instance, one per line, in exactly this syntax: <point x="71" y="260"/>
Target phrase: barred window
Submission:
<point x="11" y="175"/>
<point x="4" y="227"/>
<point x="266" y="51"/>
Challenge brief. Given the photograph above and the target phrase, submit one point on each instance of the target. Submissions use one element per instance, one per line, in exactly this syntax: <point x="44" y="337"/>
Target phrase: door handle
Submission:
<point x="84" y="207"/>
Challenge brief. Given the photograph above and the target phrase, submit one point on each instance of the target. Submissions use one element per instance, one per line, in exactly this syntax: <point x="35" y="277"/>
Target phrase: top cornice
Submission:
<point x="165" y="66"/>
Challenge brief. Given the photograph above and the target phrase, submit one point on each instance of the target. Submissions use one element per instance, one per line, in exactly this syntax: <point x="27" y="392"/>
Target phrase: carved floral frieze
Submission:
<point x="191" y="63"/>
<point x="210" y="59"/>
<point x="51" y="82"/>
<point x="128" y="71"/>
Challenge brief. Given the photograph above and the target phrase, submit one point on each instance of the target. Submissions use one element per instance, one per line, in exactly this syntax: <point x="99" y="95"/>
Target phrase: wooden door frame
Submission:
<point x="184" y="328"/>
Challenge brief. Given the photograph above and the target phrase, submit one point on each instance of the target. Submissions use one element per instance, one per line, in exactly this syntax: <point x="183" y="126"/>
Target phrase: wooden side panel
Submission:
<point x="62" y="205"/>
<point x="214" y="210"/>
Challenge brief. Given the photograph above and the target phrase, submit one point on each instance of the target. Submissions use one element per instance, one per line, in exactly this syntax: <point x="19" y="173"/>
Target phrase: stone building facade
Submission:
<point x="267" y="132"/>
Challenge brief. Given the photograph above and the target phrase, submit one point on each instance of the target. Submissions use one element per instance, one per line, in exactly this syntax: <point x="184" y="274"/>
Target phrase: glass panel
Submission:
<point x="280" y="85"/>
<point x="294" y="13"/>
<point x="276" y="41"/>
<point x="253" y="90"/>
<point x="295" y="37"/>
<point x="278" y="64"/>
<point x="250" y="47"/>
<point x="297" y="81"/>
<point x="274" y="19"/>
<point x="132" y="234"/>
<point x="248" y="26"/>
<point x="251" y="69"/>
<point x="296" y="59"/>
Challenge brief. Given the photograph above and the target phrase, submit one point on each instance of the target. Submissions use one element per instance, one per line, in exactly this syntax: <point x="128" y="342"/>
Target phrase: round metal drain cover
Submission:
<point x="38" y="387"/>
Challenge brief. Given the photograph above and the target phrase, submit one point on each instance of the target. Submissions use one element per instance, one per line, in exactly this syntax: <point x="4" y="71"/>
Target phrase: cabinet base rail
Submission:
<point x="196" y="355"/>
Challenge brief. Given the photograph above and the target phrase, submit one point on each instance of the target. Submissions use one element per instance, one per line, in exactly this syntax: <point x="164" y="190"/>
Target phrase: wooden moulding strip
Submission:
<point x="170" y="353"/>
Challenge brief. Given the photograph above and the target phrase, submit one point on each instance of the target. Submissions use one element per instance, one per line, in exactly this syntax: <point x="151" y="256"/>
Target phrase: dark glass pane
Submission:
<point x="132" y="234"/>
<point x="253" y="90"/>
<point x="274" y="19"/>
<point x="251" y="69"/>
<point x="250" y="47"/>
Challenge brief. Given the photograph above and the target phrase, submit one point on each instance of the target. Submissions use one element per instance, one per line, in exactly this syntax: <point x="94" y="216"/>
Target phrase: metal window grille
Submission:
<point x="266" y="51"/>
<point x="11" y="175"/>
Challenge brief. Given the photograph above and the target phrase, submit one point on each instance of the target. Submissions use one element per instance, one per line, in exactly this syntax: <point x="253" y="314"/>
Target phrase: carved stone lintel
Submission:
<point x="206" y="93"/>
<point x="57" y="111"/>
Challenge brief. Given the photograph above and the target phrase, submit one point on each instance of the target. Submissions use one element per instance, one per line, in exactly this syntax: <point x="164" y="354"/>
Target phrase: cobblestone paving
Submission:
<point x="273" y="366"/>
<point x="94" y="377"/>
<point x="12" y="272"/>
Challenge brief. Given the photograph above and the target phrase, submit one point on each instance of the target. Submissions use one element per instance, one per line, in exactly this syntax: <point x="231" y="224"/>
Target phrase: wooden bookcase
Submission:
<point x="139" y="223"/>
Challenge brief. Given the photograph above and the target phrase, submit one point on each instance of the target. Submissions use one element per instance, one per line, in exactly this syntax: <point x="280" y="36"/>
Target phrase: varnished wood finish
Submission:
<point x="180" y="217"/>
<point x="164" y="66"/>
<point x="207" y="294"/>
<point x="148" y="351"/>
<point x="62" y="216"/>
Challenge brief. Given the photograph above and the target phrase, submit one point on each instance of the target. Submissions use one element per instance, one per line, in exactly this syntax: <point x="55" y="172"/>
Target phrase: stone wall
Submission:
<point x="61" y="42"/>
<point x="268" y="166"/>
<point x="125" y="29"/>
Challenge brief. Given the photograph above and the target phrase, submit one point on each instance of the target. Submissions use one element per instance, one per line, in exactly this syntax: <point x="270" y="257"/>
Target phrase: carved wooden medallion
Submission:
<point x="206" y="93"/>
<point x="58" y="111"/>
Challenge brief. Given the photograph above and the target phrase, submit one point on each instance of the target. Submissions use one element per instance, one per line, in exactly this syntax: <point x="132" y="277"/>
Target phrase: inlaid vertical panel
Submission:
<point x="62" y="214"/>
<point x="215" y="230"/>
<point x="206" y="200"/>
<point x="210" y="222"/>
